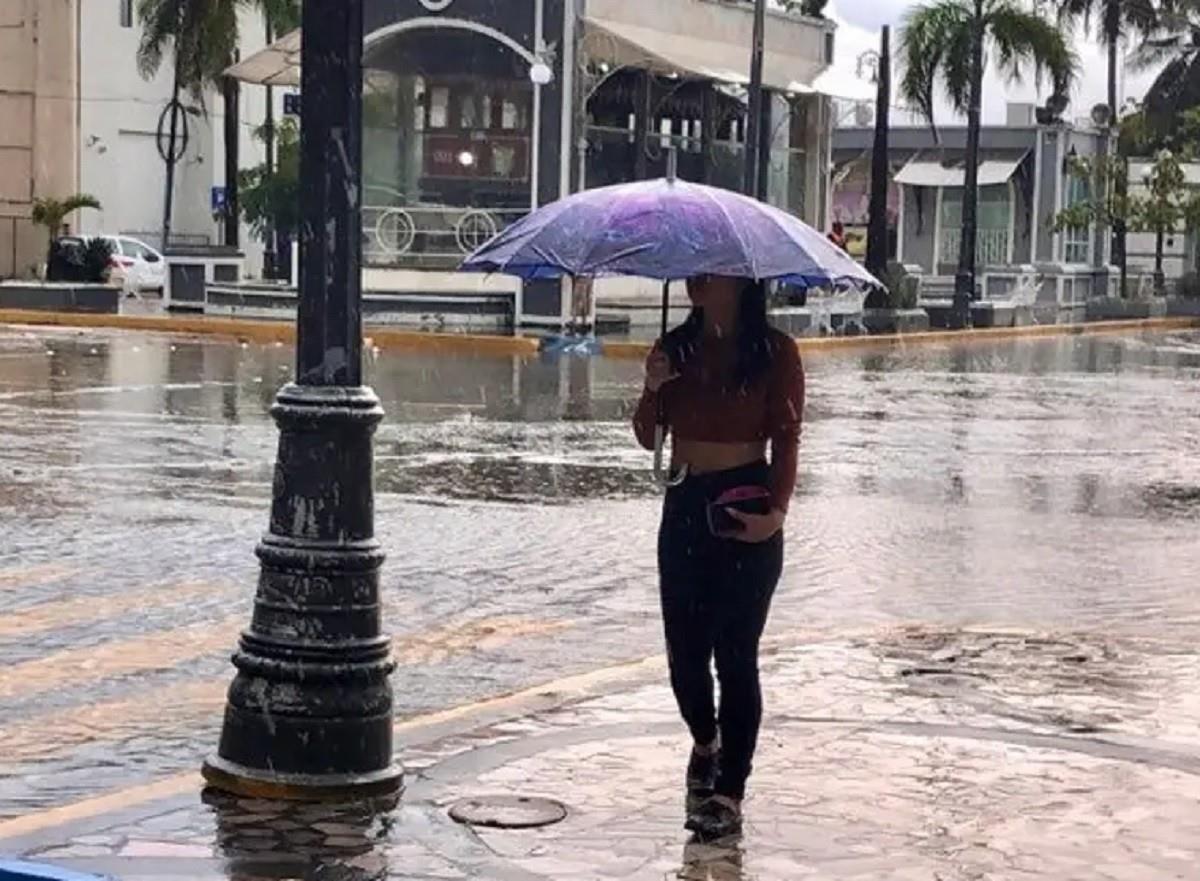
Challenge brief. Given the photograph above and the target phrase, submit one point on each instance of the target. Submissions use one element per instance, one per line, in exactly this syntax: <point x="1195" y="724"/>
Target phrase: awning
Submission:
<point x="276" y="65"/>
<point x="837" y="84"/>
<point x="994" y="168"/>
<point x="629" y="45"/>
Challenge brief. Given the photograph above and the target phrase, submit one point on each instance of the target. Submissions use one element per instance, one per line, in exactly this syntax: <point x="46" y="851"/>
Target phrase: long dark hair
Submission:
<point x="753" y="340"/>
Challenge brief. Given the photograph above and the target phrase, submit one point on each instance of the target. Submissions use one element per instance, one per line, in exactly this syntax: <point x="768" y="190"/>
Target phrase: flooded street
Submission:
<point x="985" y="501"/>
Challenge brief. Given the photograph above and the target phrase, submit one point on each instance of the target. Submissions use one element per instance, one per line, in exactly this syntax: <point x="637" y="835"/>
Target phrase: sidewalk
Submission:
<point x="898" y="754"/>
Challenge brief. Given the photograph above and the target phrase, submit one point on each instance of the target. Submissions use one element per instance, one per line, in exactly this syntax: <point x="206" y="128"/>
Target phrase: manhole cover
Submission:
<point x="509" y="812"/>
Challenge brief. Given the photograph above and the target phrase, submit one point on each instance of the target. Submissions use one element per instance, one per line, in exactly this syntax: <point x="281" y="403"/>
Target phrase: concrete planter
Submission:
<point x="60" y="297"/>
<point x="474" y="312"/>
<point x="1112" y="309"/>
<point x="889" y="321"/>
<point x="1183" y="307"/>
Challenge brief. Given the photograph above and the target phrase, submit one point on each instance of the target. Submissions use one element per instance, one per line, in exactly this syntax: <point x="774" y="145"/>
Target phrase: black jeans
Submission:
<point x="716" y="594"/>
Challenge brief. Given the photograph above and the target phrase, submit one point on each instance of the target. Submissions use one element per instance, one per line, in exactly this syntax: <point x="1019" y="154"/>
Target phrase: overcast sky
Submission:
<point x="859" y="31"/>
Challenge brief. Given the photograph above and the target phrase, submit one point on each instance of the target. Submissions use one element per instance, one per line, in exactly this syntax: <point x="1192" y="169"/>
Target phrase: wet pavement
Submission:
<point x="909" y="753"/>
<point x="1045" y="494"/>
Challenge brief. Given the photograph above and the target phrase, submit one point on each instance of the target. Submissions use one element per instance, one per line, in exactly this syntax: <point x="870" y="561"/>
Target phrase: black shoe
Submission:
<point x="713" y="819"/>
<point x="701" y="777"/>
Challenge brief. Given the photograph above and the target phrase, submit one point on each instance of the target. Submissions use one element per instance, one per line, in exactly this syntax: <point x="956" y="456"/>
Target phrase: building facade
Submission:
<point x="77" y="117"/>
<point x="477" y="111"/>
<point x="1026" y="179"/>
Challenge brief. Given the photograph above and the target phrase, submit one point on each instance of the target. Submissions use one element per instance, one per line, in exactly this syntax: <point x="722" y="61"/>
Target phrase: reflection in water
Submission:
<point x="719" y="861"/>
<point x="260" y="839"/>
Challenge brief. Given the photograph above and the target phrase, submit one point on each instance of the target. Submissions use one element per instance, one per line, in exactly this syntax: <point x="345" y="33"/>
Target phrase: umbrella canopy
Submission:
<point x="667" y="229"/>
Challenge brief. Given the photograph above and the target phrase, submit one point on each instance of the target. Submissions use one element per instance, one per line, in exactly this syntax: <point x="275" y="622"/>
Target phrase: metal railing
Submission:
<point x="991" y="247"/>
<point x="428" y="236"/>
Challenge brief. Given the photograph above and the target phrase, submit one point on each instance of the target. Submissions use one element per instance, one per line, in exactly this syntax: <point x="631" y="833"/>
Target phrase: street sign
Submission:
<point x="219" y="200"/>
<point x="291" y="104"/>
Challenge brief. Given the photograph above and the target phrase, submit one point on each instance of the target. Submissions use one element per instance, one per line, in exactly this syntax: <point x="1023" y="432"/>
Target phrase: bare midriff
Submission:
<point x="707" y="457"/>
<point x="717" y="427"/>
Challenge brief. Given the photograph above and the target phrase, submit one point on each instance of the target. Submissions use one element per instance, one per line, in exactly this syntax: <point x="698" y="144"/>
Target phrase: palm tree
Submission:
<point x="51" y="213"/>
<point x="1177" y="87"/>
<point x="1118" y="19"/>
<point x="945" y="43"/>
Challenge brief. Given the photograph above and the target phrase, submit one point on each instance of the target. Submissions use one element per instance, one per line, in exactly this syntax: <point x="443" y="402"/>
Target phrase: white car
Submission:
<point x="135" y="265"/>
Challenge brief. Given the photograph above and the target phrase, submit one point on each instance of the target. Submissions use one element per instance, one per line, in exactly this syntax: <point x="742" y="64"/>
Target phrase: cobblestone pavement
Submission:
<point x="899" y="753"/>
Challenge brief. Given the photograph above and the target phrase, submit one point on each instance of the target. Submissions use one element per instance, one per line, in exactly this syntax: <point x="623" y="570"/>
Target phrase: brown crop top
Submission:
<point x="700" y="407"/>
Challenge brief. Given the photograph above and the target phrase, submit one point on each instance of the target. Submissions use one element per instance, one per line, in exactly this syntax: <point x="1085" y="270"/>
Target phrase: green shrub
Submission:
<point x="96" y="257"/>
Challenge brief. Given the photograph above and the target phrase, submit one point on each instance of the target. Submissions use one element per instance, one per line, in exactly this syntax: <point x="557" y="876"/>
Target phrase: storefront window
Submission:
<point x="1077" y="240"/>
<point x="447" y="146"/>
<point x="994" y="225"/>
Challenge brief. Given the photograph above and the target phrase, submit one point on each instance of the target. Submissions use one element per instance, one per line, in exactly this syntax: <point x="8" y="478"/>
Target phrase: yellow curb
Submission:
<point x="180" y="784"/>
<point x="262" y="331"/>
<point x="943" y="337"/>
<point x="273" y="331"/>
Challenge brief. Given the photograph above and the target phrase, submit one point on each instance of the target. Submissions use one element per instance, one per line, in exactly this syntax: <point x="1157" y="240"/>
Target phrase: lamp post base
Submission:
<point x="386" y="785"/>
<point x="309" y="713"/>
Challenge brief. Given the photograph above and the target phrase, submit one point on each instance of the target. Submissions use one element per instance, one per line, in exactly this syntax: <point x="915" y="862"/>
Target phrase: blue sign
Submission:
<point x="219" y="200"/>
<point x="291" y="103"/>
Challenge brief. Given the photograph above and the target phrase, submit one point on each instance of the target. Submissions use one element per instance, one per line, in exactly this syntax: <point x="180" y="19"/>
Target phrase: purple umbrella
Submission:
<point x="669" y="230"/>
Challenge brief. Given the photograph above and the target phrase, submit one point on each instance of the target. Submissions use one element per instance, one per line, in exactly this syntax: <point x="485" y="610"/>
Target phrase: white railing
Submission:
<point x="424" y="235"/>
<point x="991" y="247"/>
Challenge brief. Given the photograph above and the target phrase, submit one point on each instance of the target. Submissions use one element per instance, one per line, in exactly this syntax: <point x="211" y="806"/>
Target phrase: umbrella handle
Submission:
<point x="662" y="474"/>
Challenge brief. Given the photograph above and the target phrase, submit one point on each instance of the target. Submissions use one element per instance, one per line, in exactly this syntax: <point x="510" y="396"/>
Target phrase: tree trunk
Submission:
<point x="877" y="229"/>
<point x="232" y="160"/>
<point x="1117" y="233"/>
<point x="964" y="280"/>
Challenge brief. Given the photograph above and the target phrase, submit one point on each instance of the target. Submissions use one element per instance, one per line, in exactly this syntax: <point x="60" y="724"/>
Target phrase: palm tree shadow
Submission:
<point x="717" y="860"/>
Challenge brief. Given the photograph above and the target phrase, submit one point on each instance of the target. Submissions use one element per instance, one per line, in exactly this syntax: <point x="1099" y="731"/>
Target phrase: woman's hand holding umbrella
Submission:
<point x="659" y="370"/>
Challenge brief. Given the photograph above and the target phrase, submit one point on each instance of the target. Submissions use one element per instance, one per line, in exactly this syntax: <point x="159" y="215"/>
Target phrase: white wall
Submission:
<point x="119" y="162"/>
<point x="119" y="113"/>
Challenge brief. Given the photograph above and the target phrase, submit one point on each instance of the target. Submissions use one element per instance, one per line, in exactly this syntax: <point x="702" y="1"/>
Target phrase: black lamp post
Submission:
<point x="309" y="714"/>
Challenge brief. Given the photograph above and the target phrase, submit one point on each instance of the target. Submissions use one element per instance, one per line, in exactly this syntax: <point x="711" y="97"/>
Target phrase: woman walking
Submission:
<point x="729" y="387"/>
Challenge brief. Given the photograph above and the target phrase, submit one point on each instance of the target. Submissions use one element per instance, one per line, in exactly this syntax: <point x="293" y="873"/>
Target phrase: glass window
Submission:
<point x="439" y="107"/>
<point x="126" y="13"/>
<point x="1077" y="240"/>
<point x="994" y="221"/>
<point x="468" y="111"/>
<point x="132" y="248"/>
<point x="510" y="117"/>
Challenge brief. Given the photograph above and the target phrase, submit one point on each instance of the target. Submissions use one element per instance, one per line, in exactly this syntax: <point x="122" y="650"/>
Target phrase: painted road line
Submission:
<point x="54" y="735"/>
<point x="34" y="576"/>
<point x="86" y="609"/>
<point x="545" y="696"/>
<point x="157" y="651"/>
<point x="180" y="784"/>
<point x="190" y="705"/>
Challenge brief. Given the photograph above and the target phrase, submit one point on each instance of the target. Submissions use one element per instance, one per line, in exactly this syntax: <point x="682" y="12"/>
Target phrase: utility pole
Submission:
<point x="754" y="109"/>
<point x="174" y="109"/>
<point x="877" y="229"/>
